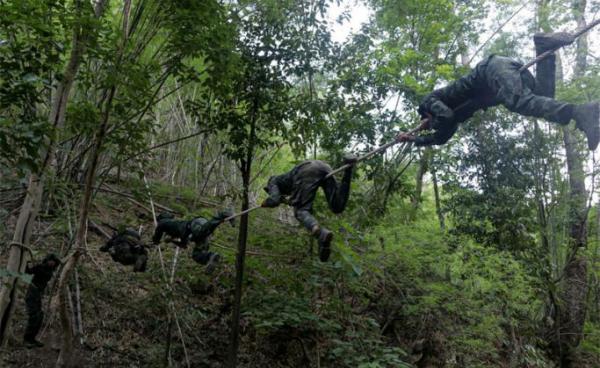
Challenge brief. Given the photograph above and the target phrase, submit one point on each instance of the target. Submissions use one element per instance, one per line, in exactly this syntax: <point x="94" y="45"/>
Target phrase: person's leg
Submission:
<point x="140" y="263"/>
<point x="586" y="116"/>
<point x="158" y="233"/>
<point x="213" y="261"/>
<point x="545" y="75"/>
<point x="529" y="104"/>
<point x="337" y="196"/>
<point x="33" y="306"/>
<point x="305" y="217"/>
<point x="323" y="235"/>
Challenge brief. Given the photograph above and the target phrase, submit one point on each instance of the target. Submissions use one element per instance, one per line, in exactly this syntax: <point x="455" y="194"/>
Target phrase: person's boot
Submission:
<point x="33" y="343"/>
<point x="140" y="264"/>
<point x="350" y="158"/>
<point x="213" y="260"/>
<point x="551" y="41"/>
<point x="587" y="119"/>
<point x="325" y="237"/>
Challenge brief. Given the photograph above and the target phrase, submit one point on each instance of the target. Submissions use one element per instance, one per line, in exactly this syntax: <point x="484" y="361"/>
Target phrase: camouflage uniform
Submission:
<point x="200" y="231"/>
<point x="42" y="273"/>
<point x="174" y="228"/>
<point x="125" y="247"/>
<point x="494" y="81"/>
<point x="301" y="185"/>
<point x="197" y="230"/>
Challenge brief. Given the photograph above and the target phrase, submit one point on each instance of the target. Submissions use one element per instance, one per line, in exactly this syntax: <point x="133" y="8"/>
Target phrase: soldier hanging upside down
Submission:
<point x="126" y="248"/>
<point x="301" y="185"/>
<point x="197" y="230"/>
<point x="42" y="273"/>
<point x="497" y="80"/>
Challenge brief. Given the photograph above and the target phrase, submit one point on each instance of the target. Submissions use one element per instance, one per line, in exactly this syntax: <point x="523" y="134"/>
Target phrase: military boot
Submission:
<point x="587" y="119"/>
<point x="213" y="260"/>
<point x="140" y="263"/>
<point x="350" y="158"/>
<point x="325" y="237"/>
<point x="551" y="41"/>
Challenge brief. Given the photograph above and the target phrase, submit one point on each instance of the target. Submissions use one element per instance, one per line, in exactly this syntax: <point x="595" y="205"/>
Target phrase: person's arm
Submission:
<point x="439" y="137"/>
<point x="274" y="198"/>
<point x="32" y="268"/>
<point x="185" y="237"/>
<point x="438" y="112"/>
<point x="158" y="233"/>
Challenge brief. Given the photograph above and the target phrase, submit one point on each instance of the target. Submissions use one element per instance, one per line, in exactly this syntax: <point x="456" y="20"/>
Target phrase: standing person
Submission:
<point x="42" y="273"/>
<point x="497" y="80"/>
<point x="301" y="185"/>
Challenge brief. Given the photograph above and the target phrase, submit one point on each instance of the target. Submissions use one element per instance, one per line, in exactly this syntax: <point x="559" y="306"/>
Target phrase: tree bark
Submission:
<point x="31" y="205"/>
<point x="572" y="310"/>
<point x="246" y="171"/>
<point x="438" y="205"/>
<point x="421" y="171"/>
<point x="66" y="351"/>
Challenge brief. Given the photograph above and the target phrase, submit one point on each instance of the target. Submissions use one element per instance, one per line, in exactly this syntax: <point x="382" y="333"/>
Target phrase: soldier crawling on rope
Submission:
<point x="498" y="80"/>
<point x="126" y="247"/>
<point x="301" y="184"/>
<point x="197" y="230"/>
<point x="42" y="273"/>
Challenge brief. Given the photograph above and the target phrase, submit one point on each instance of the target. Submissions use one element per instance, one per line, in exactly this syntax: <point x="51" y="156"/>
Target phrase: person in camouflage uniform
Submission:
<point x="497" y="80"/>
<point x="126" y="248"/>
<point x="198" y="230"/>
<point x="176" y="229"/>
<point x="301" y="185"/>
<point x="42" y="273"/>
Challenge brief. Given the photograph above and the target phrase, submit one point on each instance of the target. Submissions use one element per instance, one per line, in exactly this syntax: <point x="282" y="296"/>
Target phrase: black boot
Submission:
<point x="587" y="119"/>
<point x="350" y="158"/>
<point x="325" y="237"/>
<point x="551" y="41"/>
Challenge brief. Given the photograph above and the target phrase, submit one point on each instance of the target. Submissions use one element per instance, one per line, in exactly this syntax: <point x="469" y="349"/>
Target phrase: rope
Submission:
<point x="22" y="246"/>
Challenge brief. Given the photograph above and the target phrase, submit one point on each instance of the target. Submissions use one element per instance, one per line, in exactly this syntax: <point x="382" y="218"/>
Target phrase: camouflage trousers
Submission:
<point x="201" y="254"/>
<point x="337" y="198"/>
<point x="515" y="90"/>
<point x="33" y="306"/>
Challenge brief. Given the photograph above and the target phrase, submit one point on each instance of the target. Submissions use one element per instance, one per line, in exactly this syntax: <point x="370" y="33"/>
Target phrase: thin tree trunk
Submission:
<point x="66" y="352"/>
<point x="572" y="311"/>
<point x="421" y="171"/>
<point x="246" y="167"/>
<point x="239" y="267"/>
<point x="436" y="193"/>
<point x="65" y="356"/>
<point x="31" y="204"/>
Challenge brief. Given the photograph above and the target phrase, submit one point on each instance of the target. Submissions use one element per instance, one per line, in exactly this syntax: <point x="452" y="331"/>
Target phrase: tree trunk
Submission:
<point x="572" y="311"/>
<point x="246" y="171"/>
<point x="31" y="204"/>
<point x="421" y="171"/>
<point x="66" y="351"/>
<point x="438" y="205"/>
<point x="239" y="271"/>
